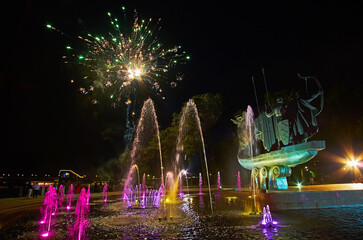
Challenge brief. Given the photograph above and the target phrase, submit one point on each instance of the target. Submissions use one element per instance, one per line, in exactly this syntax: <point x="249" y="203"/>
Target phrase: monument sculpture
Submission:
<point x="277" y="139"/>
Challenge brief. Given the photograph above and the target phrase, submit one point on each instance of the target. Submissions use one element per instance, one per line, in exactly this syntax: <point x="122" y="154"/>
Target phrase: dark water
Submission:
<point x="190" y="220"/>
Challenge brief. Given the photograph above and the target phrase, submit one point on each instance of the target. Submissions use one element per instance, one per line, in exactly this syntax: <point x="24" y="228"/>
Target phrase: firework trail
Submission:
<point x="117" y="64"/>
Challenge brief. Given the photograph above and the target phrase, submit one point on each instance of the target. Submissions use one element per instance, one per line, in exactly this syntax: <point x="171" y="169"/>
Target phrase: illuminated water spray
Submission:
<point x="238" y="180"/>
<point x="70" y="197"/>
<point x="200" y="183"/>
<point x="80" y="213"/>
<point x="104" y="193"/>
<point x="250" y="130"/>
<point x="191" y="110"/>
<point x="50" y="205"/>
<point x="147" y="122"/>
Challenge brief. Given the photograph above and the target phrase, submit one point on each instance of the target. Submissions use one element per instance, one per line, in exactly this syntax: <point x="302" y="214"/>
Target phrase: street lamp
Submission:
<point x="352" y="163"/>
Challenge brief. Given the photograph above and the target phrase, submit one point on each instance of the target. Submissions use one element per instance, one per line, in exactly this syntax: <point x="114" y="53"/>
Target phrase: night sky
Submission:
<point x="49" y="125"/>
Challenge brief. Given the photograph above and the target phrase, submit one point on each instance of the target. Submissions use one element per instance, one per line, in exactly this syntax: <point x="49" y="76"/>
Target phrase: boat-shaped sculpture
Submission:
<point x="277" y="139"/>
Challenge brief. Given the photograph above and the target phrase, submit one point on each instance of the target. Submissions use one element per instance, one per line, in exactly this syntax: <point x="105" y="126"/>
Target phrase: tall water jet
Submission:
<point x="200" y="183"/>
<point x="219" y="180"/>
<point x="191" y="110"/>
<point x="250" y="130"/>
<point x="147" y="113"/>
<point x="191" y="102"/>
<point x="238" y="180"/>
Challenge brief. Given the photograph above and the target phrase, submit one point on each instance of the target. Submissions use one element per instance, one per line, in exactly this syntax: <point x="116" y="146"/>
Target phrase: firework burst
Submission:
<point x="121" y="59"/>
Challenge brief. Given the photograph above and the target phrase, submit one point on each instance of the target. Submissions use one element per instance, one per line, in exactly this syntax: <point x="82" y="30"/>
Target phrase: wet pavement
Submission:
<point x="191" y="220"/>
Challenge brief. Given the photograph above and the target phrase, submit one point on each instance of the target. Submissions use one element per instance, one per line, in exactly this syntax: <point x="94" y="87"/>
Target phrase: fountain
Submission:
<point x="200" y="183"/>
<point x="219" y="186"/>
<point x="238" y="180"/>
<point x="250" y="135"/>
<point x="61" y="195"/>
<point x="88" y="194"/>
<point x="267" y="218"/>
<point x="104" y="193"/>
<point x="70" y="197"/>
<point x="191" y="110"/>
<point x="181" y="194"/>
<point x="171" y="186"/>
<point x="50" y="204"/>
<point x="147" y="113"/>
<point x="80" y="212"/>
<point x="150" y="199"/>
<point x="185" y="173"/>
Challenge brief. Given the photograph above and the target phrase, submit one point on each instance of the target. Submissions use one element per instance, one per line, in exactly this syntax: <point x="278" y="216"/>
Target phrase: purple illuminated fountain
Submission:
<point x="238" y="180"/>
<point x="70" y="197"/>
<point x="219" y="186"/>
<point x="266" y="218"/>
<point x="50" y="205"/>
<point x="104" y="193"/>
<point x="150" y="198"/>
<point x="200" y="183"/>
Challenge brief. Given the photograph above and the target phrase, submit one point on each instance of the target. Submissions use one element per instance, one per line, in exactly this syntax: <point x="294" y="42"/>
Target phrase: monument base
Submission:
<point x="275" y="166"/>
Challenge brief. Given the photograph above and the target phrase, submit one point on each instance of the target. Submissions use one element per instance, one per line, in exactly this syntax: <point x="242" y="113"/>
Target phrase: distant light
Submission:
<point x="49" y="26"/>
<point x="352" y="163"/>
<point x="299" y="185"/>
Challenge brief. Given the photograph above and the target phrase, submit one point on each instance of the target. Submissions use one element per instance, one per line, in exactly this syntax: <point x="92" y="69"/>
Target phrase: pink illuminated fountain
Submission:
<point x="50" y="205"/>
<point x="88" y="194"/>
<point x="219" y="180"/>
<point x="200" y="183"/>
<point x="238" y="180"/>
<point x="104" y="193"/>
<point x="80" y="211"/>
<point x="61" y="195"/>
<point x="70" y="197"/>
